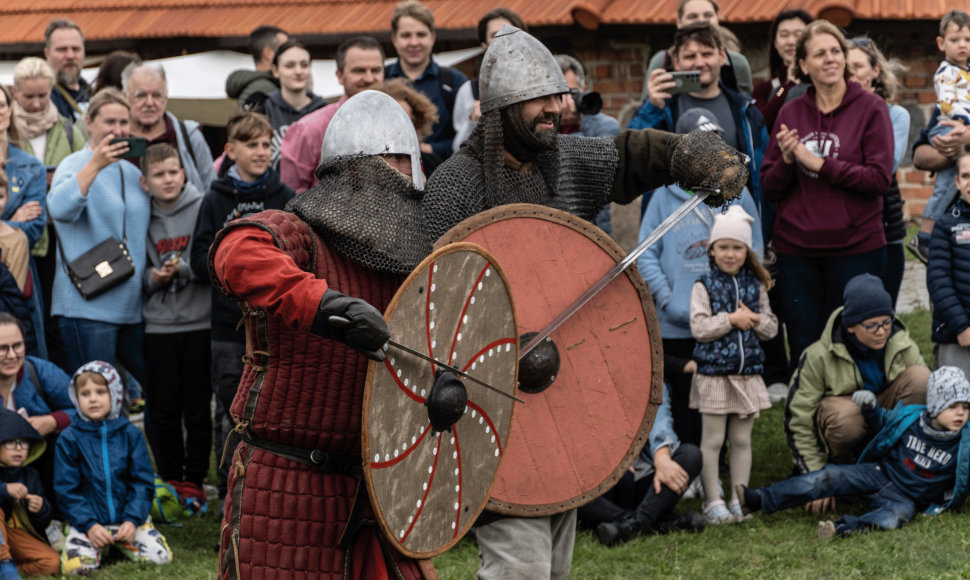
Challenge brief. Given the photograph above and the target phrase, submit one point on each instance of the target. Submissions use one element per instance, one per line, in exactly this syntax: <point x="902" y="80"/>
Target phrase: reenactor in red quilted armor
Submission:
<point x="312" y="282"/>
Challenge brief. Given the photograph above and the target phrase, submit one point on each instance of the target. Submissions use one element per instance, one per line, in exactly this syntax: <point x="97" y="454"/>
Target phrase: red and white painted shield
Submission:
<point x="572" y="439"/>
<point x="428" y="487"/>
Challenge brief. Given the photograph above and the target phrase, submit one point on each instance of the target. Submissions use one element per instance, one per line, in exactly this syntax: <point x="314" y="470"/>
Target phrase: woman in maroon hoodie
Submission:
<point x="826" y="169"/>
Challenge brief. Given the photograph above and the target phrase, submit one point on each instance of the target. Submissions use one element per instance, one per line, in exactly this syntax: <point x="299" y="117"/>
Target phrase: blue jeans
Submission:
<point x="890" y="507"/>
<point x="809" y="289"/>
<point x="945" y="187"/>
<point x="88" y="340"/>
<point x="8" y="570"/>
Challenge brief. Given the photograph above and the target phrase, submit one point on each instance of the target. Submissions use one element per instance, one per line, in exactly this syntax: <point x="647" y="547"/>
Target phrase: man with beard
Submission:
<point x="64" y="51"/>
<point x="514" y="155"/>
<point x="341" y="250"/>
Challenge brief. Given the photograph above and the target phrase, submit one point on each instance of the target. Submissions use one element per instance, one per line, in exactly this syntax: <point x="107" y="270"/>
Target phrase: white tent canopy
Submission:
<point x="197" y="82"/>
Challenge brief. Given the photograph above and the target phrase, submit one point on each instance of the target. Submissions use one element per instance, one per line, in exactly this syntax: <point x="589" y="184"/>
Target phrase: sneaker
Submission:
<point x="55" y="535"/>
<point x="747" y="498"/>
<point x="920" y="251"/>
<point x="735" y="508"/>
<point x="136" y="406"/>
<point x="826" y="530"/>
<point x="716" y="512"/>
<point x="695" y="489"/>
<point x="777" y="393"/>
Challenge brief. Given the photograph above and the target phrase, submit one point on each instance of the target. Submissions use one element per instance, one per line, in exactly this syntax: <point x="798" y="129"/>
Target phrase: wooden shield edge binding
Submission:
<point x="516" y="210"/>
<point x="372" y="368"/>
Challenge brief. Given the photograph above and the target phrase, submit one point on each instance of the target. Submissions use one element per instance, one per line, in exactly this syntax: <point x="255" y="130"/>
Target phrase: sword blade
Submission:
<point x="421" y="355"/>
<point x="685" y="208"/>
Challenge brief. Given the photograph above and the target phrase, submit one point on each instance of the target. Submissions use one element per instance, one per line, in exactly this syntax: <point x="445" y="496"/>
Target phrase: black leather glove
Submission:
<point x="353" y="322"/>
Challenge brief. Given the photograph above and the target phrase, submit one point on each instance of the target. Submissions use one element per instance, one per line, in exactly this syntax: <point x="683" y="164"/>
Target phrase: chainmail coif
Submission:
<point x="368" y="211"/>
<point x="702" y="160"/>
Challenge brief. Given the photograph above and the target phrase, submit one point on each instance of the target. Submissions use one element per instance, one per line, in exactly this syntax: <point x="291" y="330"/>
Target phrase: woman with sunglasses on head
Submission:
<point x="868" y="67"/>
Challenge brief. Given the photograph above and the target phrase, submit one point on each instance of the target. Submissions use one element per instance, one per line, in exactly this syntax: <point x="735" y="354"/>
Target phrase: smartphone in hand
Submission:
<point x="688" y="81"/>
<point x="136" y="146"/>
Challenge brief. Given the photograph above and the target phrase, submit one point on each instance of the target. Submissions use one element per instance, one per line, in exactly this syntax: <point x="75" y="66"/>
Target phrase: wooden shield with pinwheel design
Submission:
<point x="592" y="389"/>
<point x="427" y="487"/>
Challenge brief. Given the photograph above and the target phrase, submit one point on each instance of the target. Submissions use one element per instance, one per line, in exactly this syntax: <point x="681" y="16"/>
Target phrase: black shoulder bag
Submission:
<point x="104" y="266"/>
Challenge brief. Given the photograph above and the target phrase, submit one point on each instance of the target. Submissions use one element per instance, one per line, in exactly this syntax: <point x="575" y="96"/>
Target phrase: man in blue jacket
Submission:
<point x="698" y="47"/>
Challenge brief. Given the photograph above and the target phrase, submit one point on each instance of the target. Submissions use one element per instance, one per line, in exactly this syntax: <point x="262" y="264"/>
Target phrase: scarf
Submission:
<point x="33" y="125"/>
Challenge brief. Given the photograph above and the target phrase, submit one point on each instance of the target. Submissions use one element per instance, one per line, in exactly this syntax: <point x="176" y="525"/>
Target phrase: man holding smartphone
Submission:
<point x="698" y="48"/>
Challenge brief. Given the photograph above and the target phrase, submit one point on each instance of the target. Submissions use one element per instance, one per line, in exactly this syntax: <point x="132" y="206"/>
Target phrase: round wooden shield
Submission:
<point x="572" y="440"/>
<point x="428" y="487"/>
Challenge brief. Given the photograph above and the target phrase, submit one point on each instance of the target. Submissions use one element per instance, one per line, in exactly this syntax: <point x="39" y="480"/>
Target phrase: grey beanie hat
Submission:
<point x="947" y="385"/>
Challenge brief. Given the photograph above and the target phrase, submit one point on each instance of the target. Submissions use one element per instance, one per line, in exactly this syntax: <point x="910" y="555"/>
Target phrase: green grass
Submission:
<point x="781" y="545"/>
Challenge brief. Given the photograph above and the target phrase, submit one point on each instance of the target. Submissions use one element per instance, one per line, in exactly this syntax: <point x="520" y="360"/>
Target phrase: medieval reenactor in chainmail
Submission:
<point x="516" y="156"/>
<point x="297" y="505"/>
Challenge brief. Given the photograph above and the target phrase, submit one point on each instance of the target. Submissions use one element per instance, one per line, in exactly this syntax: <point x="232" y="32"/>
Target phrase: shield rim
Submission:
<point x="368" y="391"/>
<point x="599" y="237"/>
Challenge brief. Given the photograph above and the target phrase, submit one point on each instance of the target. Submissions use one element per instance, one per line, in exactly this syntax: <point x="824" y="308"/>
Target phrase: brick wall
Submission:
<point x="617" y="64"/>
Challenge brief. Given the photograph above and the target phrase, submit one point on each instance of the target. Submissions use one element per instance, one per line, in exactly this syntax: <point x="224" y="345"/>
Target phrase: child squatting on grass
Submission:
<point x="729" y="316"/>
<point x="919" y="459"/>
<point x="25" y="510"/>
<point x="103" y="477"/>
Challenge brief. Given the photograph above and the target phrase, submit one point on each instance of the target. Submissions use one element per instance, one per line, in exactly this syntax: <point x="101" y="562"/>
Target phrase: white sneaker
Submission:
<point x="695" y="489"/>
<point x="55" y="535"/>
<point x="716" y="512"/>
<point x="826" y="529"/>
<point x="777" y="393"/>
<point x="735" y="508"/>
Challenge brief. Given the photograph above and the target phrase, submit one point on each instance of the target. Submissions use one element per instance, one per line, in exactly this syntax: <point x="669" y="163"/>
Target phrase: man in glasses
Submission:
<point x="863" y="347"/>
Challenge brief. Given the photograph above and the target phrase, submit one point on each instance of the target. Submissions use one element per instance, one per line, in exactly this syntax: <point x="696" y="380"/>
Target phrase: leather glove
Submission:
<point x="701" y="159"/>
<point x="865" y="399"/>
<point x="353" y="322"/>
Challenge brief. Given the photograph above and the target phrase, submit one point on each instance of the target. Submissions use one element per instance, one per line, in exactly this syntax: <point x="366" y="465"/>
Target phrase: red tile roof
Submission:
<point x="24" y="21"/>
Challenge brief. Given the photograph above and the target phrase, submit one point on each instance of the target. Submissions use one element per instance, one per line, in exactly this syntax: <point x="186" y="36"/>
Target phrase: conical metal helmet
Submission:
<point x="516" y="68"/>
<point x="373" y="123"/>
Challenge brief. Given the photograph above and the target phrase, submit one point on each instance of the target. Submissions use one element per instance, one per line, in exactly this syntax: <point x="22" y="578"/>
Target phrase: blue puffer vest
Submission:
<point x="735" y="353"/>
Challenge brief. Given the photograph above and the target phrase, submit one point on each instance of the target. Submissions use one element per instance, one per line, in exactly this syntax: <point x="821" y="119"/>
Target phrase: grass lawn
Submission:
<point x="781" y="545"/>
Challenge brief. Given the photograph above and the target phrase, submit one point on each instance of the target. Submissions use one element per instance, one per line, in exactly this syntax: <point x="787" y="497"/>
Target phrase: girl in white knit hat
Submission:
<point x="729" y="316"/>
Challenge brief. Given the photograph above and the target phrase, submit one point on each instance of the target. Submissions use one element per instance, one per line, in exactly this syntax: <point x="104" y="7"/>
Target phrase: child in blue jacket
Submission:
<point x="103" y="477"/>
<point x="918" y="460"/>
<point x="26" y="511"/>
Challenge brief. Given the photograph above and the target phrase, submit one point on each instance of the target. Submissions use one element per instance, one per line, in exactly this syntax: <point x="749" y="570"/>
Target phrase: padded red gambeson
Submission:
<point x="282" y="518"/>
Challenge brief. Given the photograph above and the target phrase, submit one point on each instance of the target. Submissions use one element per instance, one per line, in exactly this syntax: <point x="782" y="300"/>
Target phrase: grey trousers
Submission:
<point x="527" y="548"/>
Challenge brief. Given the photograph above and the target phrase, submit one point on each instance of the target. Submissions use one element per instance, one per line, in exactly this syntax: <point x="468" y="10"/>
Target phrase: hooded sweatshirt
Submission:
<point x="837" y="211"/>
<point x="224" y="203"/>
<point x="184" y="304"/>
<point x="282" y="115"/>
<point x="13" y="426"/>
<point x="672" y="265"/>
<point x="242" y="83"/>
<point x="102" y="471"/>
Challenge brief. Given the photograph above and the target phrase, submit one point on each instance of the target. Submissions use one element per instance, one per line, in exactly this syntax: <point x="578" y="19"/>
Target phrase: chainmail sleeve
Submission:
<point x="644" y="162"/>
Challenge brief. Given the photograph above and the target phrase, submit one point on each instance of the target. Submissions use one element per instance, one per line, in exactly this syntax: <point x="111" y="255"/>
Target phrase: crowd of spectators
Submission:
<point x="823" y="134"/>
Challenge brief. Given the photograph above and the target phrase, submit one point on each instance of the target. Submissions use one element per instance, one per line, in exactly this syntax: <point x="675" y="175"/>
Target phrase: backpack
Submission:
<point x="166" y="506"/>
